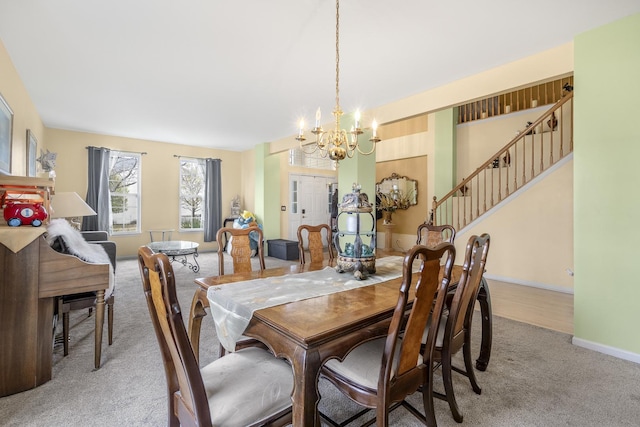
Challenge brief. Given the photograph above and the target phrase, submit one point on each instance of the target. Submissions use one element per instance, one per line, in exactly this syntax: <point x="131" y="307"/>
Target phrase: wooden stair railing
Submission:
<point x="534" y="149"/>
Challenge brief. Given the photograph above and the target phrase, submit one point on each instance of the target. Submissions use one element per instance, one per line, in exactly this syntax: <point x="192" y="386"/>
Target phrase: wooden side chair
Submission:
<point x="432" y="235"/>
<point x="315" y="245"/>
<point x="240" y="248"/>
<point x="241" y="256"/>
<point x="455" y="326"/>
<point x="247" y="388"/>
<point x="380" y="373"/>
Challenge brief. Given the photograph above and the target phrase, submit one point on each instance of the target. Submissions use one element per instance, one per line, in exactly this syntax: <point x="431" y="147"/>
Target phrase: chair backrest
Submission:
<point x="405" y="367"/>
<point x="165" y="235"/>
<point x="315" y="242"/>
<point x="180" y="364"/>
<point x="462" y="305"/>
<point x="240" y="248"/>
<point x="432" y="235"/>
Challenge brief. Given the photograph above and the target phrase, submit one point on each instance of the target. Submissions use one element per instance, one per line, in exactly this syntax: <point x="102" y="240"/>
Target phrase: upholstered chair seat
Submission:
<point x="231" y="383"/>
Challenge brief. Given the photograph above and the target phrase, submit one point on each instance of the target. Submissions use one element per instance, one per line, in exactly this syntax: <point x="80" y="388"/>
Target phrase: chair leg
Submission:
<point x="198" y="305"/>
<point x="110" y="318"/>
<point x="65" y="333"/>
<point x="427" y="401"/>
<point x="382" y="416"/>
<point x="468" y="364"/>
<point x="448" y="387"/>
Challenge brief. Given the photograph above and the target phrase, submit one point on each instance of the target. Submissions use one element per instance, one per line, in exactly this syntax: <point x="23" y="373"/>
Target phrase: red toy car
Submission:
<point x="24" y="213"/>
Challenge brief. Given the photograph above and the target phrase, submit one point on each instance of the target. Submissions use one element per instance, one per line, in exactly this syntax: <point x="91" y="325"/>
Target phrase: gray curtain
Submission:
<point x="212" y="199"/>
<point x="98" y="190"/>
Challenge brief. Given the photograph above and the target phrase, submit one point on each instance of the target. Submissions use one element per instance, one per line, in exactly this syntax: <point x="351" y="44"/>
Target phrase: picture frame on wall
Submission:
<point x="32" y="150"/>
<point x="6" y="134"/>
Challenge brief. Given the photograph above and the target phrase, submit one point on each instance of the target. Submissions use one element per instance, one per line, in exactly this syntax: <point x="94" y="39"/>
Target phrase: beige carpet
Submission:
<point x="535" y="376"/>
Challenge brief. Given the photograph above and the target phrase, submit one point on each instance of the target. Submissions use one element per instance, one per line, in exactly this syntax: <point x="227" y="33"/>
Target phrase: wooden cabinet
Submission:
<point x="26" y="322"/>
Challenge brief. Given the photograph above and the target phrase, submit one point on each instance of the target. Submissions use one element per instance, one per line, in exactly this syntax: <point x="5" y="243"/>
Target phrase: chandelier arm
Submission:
<point x="373" y="148"/>
<point x="304" y="150"/>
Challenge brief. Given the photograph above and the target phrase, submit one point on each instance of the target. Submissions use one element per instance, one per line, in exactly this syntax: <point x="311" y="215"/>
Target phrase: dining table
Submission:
<point x="309" y="331"/>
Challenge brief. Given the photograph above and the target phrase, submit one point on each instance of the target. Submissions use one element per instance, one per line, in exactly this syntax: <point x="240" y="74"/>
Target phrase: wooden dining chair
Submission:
<point x="250" y="387"/>
<point x="241" y="254"/>
<point x="380" y="373"/>
<point x="455" y="326"/>
<point x="432" y="235"/>
<point x="240" y="251"/>
<point x="315" y="243"/>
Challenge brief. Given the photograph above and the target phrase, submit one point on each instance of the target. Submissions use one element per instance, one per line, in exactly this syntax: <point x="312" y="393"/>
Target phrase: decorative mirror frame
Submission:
<point x="403" y="184"/>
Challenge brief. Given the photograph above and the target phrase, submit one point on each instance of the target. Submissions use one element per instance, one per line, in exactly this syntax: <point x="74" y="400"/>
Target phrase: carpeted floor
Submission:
<point x="535" y="376"/>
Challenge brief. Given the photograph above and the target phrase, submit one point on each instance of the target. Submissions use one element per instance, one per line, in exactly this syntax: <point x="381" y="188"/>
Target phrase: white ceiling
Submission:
<point x="234" y="74"/>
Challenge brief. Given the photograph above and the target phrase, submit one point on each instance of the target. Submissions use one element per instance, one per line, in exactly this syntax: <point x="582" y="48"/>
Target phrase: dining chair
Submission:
<point x="249" y="387"/>
<point x="454" y="333"/>
<point x="240" y="251"/>
<point x="315" y="244"/>
<point x="432" y="235"/>
<point x="241" y="254"/>
<point x="382" y="372"/>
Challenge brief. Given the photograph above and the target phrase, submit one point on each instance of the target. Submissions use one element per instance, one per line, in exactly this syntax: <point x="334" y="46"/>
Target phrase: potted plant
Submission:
<point x="386" y="204"/>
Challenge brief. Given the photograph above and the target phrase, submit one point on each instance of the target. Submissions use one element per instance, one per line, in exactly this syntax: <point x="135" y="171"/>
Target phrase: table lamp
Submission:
<point x="70" y="205"/>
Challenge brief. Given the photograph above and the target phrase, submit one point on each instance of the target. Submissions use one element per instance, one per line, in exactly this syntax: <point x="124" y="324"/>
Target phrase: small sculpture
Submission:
<point x="553" y="121"/>
<point x="47" y="160"/>
<point x="507" y="159"/>
<point x="531" y="132"/>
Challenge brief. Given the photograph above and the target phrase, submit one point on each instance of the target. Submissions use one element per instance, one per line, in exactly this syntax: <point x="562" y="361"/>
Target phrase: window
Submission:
<point x="124" y="191"/>
<point x="191" y="194"/>
<point x="298" y="157"/>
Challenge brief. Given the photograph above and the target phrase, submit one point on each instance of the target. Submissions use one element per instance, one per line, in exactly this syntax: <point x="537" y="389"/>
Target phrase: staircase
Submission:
<point x="534" y="150"/>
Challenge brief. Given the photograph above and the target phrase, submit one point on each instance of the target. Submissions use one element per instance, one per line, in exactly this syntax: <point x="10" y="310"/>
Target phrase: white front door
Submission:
<point x="309" y="201"/>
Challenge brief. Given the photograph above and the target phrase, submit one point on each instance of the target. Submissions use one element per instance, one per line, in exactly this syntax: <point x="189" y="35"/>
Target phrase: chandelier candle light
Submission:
<point x="336" y="143"/>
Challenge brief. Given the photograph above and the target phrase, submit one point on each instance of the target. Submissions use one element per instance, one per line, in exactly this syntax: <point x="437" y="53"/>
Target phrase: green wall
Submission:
<point x="267" y="191"/>
<point x="606" y="204"/>
<point x="444" y="151"/>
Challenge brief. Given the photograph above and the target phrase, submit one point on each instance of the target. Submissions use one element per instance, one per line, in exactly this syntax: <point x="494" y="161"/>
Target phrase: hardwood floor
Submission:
<point x="540" y="307"/>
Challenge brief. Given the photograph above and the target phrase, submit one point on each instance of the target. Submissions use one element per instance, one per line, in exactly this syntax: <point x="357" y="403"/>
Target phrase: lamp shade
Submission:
<point x="68" y="205"/>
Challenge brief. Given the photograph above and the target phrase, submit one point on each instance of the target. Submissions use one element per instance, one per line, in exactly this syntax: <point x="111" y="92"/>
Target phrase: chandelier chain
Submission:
<point x="337" y="54"/>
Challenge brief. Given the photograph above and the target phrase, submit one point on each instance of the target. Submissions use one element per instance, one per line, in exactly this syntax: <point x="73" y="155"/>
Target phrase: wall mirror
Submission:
<point x="404" y="190"/>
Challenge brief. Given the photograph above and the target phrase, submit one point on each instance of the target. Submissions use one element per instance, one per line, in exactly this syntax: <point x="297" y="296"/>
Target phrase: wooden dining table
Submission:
<point x="309" y="332"/>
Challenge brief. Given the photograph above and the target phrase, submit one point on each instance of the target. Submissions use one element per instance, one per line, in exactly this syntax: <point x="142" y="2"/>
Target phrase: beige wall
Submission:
<point x="160" y="180"/>
<point x="531" y="234"/>
<point x="25" y="115"/>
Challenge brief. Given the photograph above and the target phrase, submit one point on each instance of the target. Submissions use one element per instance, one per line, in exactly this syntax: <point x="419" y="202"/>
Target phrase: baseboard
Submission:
<point x="611" y="351"/>
<point x="529" y="284"/>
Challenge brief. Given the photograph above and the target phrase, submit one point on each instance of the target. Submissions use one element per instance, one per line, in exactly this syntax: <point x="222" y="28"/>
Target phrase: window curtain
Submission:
<point x="212" y="199"/>
<point x="98" y="190"/>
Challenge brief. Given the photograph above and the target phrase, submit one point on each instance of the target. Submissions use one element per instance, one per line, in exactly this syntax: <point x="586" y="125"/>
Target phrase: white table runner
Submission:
<point x="232" y="305"/>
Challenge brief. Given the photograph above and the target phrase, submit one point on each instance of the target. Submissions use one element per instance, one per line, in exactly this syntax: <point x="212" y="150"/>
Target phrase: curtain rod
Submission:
<point x="122" y="151"/>
<point x="194" y="158"/>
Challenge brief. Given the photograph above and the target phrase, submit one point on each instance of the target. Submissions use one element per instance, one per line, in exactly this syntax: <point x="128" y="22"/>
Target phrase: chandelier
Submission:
<point x="337" y="143"/>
